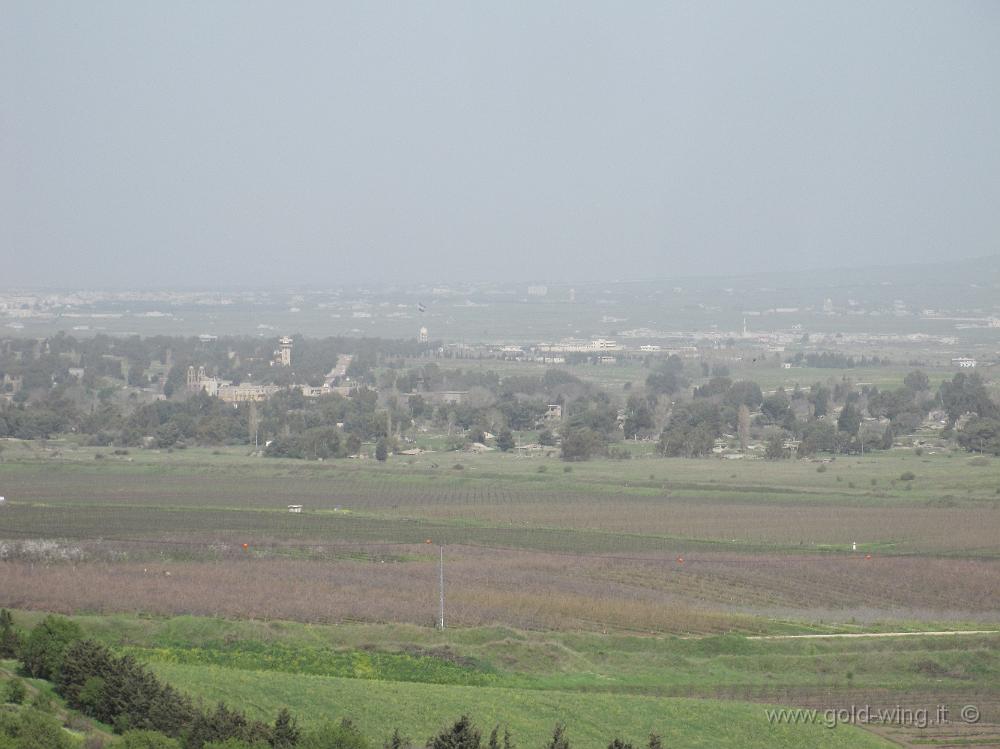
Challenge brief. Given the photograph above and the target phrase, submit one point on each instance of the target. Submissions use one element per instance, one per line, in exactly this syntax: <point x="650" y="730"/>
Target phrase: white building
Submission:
<point x="284" y="352"/>
<point x="964" y="362"/>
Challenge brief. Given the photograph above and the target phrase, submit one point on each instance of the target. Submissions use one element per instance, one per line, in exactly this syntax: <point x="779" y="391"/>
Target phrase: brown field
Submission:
<point x="706" y="593"/>
<point x="765" y="545"/>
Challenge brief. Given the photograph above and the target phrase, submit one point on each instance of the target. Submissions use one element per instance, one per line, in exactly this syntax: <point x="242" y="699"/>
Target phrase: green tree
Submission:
<point x="888" y="437"/>
<point x="559" y="739"/>
<point x="692" y="430"/>
<point x="966" y="394"/>
<point x="505" y="440"/>
<point x="381" y="450"/>
<point x="353" y="444"/>
<point x="917" y="381"/>
<point x="286" y="732"/>
<point x="818" y="436"/>
<point x="775" y="407"/>
<point x="10" y="638"/>
<point x="496" y="742"/>
<point x="397" y="741"/>
<point x="581" y="443"/>
<point x="743" y="426"/>
<point x="81" y="680"/>
<point x="36" y="730"/>
<point x="849" y="419"/>
<point x="638" y="416"/>
<point x="981" y="435"/>
<point x="44" y="647"/>
<point x="774" y="449"/>
<point x="819" y="396"/>
<point x="462" y="735"/>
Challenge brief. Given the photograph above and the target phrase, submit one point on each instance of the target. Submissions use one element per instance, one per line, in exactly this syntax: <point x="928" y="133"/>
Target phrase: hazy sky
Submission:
<point x="200" y="143"/>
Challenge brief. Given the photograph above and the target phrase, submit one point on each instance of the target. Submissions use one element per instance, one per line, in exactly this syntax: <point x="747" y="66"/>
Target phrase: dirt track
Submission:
<point x="879" y="634"/>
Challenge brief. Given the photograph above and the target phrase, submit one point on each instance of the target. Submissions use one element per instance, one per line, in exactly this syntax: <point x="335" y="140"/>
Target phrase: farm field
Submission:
<point x="619" y="588"/>
<point x="649" y="544"/>
<point x="767" y="373"/>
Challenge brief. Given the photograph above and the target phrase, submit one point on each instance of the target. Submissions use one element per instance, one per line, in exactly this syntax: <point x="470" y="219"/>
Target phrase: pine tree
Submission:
<point x="397" y="741"/>
<point x="558" y="740"/>
<point x="887" y="438"/>
<point x="462" y="735"/>
<point x="286" y="730"/>
<point x="743" y="427"/>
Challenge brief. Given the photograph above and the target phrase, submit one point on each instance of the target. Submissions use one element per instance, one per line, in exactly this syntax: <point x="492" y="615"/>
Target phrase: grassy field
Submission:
<point x="384" y="676"/>
<point x="427" y="708"/>
<point x="695" y="692"/>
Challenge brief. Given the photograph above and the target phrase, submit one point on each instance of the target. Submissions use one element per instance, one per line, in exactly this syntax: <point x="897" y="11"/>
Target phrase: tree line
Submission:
<point x="391" y="398"/>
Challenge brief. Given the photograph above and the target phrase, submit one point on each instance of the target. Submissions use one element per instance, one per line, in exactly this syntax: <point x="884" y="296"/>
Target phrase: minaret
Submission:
<point x="745" y="333"/>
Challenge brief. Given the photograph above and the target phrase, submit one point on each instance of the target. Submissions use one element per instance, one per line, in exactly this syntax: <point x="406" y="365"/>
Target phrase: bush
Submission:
<point x="42" y="703"/>
<point x="147" y="740"/>
<point x="16" y="691"/>
<point x="342" y="735"/>
<point x="907" y="476"/>
<point x="821" y="468"/>
<point x="35" y="730"/>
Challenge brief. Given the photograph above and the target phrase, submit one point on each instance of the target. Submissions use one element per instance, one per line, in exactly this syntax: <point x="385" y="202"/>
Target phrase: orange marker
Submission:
<point x="680" y="560"/>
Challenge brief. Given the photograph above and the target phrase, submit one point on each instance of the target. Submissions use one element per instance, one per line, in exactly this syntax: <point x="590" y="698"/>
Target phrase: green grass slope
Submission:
<point x="422" y="709"/>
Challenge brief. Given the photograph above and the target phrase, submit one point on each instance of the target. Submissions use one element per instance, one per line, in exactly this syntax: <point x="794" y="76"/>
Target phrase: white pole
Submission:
<point x="441" y="588"/>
